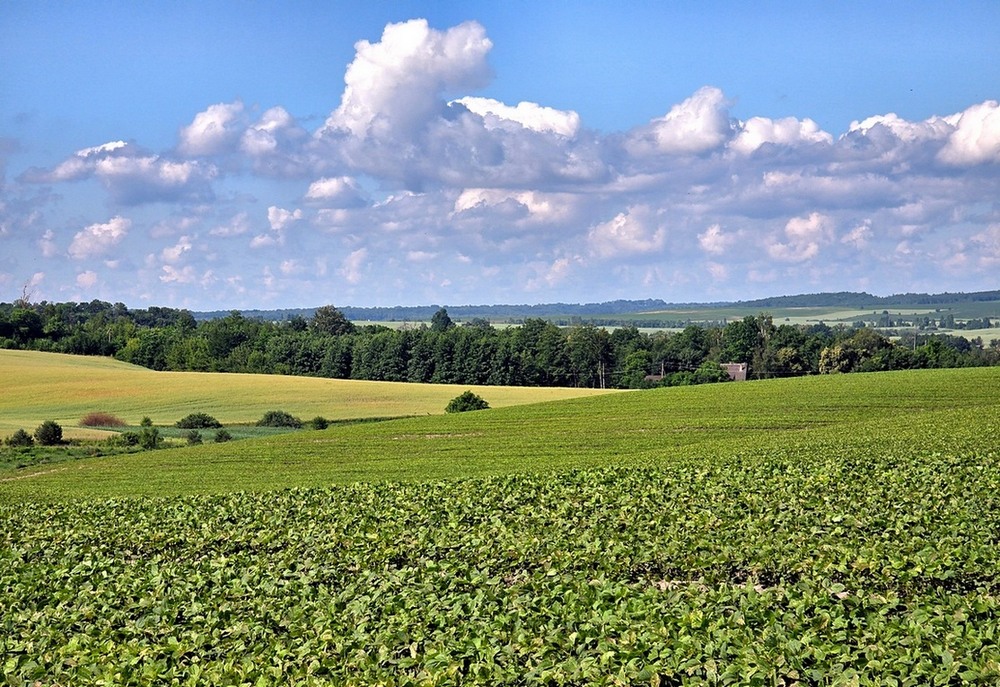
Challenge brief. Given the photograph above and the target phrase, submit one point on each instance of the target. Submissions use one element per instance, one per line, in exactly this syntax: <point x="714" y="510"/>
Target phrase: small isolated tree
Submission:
<point x="20" y="438"/>
<point x="466" y="401"/>
<point x="223" y="436"/>
<point x="279" y="418"/>
<point x="49" y="433"/>
<point x="193" y="437"/>
<point x="198" y="421"/>
<point x="319" y="422"/>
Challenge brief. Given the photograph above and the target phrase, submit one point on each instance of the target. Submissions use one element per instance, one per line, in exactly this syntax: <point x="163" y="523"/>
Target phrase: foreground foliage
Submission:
<point x="833" y="531"/>
<point x="763" y="570"/>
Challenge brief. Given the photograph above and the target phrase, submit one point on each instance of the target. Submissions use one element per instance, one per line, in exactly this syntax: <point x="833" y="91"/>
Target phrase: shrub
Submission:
<point x="319" y="422"/>
<point x="124" y="439"/>
<point x="198" y="421"/>
<point x="279" y="418"/>
<point x="149" y="437"/>
<point x="466" y="401"/>
<point x="20" y="438"/>
<point x="49" y="433"/>
<point x="146" y="422"/>
<point x="193" y="437"/>
<point x="101" y="419"/>
<point x="223" y="436"/>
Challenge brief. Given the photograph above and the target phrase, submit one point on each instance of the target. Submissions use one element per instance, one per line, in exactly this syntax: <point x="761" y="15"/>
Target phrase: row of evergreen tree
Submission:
<point x="536" y="353"/>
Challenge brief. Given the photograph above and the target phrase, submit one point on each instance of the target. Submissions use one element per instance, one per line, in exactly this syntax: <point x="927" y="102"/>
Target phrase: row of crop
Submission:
<point x="767" y="569"/>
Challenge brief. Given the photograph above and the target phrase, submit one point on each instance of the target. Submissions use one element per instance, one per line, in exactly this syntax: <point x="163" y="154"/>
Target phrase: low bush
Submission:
<point x="149" y="437"/>
<point x="101" y="419"/>
<point x="125" y="439"/>
<point x="223" y="436"/>
<point x="193" y="437"/>
<point x="20" y="438"/>
<point x="466" y="401"/>
<point x="49" y="433"/>
<point x="279" y="418"/>
<point x="198" y="421"/>
<point x="319" y="422"/>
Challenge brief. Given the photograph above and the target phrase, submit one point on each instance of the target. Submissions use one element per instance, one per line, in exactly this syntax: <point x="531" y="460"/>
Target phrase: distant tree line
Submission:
<point x="536" y="353"/>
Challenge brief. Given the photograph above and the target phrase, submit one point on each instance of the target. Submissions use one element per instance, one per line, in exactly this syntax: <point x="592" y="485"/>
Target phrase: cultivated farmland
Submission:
<point x="835" y="530"/>
<point x="38" y="386"/>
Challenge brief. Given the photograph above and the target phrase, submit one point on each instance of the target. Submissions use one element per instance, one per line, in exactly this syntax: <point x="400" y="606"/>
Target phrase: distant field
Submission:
<point x="829" y="315"/>
<point x="925" y="408"/>
<point x="38" y="386"/>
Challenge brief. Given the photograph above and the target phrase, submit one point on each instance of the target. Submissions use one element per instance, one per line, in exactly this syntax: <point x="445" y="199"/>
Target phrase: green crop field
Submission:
<point x="837" y="530"/>
<point x="39" y="386"/>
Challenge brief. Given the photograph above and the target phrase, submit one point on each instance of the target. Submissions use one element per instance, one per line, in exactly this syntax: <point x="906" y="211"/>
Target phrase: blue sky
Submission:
<point x="221" y="154"/>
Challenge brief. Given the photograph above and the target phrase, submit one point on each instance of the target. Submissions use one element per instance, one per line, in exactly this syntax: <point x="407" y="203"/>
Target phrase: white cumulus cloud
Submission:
<point x="715" y="241"/>
<point x="637" y="231"/>
<point x="86" y="280"/>
<point x="976" y="138"/>
<point x="395" y="85"/>
<point x="529" y="115"/>
<point x="213" y="131"/>
<point x="97" y="239"/>
<point x="804" y="236"/>
<point x="789" y="131"/>
<point x="698" y="124"/>
<point x="340" y="191"/>
<point x="280" y="218"/>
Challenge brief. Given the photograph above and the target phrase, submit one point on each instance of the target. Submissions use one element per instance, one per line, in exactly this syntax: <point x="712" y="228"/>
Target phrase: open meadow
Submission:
<point x="835" y="530"/>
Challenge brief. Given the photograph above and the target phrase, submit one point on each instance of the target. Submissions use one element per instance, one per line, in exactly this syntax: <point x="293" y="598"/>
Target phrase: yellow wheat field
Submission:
<point x="42" y="386"/>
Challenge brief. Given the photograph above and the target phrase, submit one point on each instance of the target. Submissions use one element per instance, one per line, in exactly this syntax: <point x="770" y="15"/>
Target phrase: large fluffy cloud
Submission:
<point x="395" y="85"/>
<point x="699" y="124"/>
<point x="976" y="137"/>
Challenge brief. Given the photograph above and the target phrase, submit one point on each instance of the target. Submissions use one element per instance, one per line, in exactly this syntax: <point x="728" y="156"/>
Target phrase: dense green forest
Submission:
<point x="537" y="353"/>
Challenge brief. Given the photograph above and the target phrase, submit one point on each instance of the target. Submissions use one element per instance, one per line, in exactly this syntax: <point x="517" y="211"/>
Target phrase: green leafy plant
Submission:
<point x="319" y="422"/>
<point x="193" y="437"/>
<point x="222" y="436"/>
<point x="465" y="402"/>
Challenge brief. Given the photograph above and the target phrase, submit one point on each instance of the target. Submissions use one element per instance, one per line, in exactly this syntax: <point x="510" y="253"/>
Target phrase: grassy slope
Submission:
<point x="39" y="386"/>
<point x="849" y="414"/>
